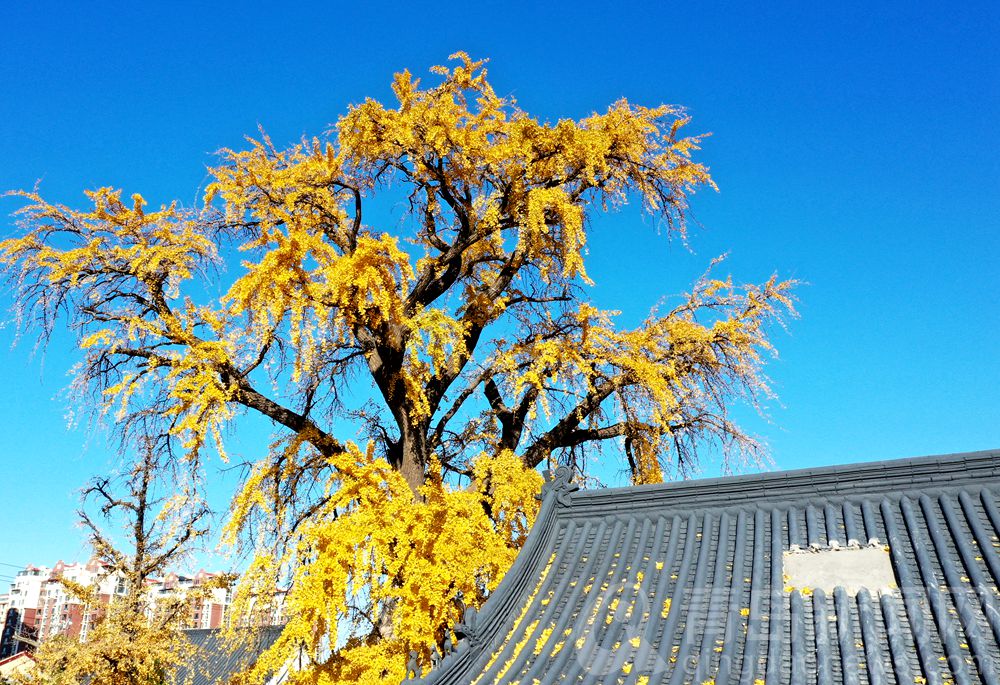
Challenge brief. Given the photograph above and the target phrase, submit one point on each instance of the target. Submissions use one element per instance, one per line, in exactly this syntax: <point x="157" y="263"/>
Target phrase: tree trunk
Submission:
<point x="409" y="455"/>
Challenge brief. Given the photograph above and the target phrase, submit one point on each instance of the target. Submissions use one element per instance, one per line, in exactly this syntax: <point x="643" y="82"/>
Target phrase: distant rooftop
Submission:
<point x="214" y="663"/>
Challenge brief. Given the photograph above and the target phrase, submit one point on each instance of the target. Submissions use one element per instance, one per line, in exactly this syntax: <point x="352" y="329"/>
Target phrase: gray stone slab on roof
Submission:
<point x="686" y="582"/>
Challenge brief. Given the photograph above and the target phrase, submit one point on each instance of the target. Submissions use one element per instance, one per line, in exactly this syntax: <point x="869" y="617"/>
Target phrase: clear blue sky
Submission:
<point x="856" y="148"/>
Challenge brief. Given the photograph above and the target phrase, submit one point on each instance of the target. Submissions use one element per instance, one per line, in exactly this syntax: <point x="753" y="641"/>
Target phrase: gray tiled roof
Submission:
<point x="214" y="663"/>
<point x="587" y="600"/>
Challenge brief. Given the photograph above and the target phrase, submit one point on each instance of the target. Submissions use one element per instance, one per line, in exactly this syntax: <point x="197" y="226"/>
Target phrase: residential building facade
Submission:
<point x="40" y="606"/>
<point x="20" y="620"/>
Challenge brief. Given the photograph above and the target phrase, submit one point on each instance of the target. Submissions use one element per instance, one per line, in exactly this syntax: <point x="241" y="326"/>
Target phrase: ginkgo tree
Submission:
<point x="416" y="371"/>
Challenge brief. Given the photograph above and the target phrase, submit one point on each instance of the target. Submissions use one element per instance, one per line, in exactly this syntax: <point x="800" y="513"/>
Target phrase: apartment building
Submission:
<point x="208" y="611"/>
<point x="60" y="612"/>
<point x="39" y="605"/>
<point x="20" y="620"/>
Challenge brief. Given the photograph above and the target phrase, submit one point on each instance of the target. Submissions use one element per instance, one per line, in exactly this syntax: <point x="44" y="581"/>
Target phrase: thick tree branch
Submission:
<point x="560" y="435"/>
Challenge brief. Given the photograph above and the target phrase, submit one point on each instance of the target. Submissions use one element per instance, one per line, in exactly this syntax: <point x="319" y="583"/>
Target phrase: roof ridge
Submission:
<point x="838" y="480"/>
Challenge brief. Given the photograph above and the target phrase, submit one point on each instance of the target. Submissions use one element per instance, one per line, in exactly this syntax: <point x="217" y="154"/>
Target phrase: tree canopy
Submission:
<point x="469" y="320"/>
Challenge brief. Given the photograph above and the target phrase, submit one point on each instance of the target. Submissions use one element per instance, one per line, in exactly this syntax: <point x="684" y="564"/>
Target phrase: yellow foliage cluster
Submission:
<point x="121" y="649"/>
<point x="510" y="489"/>
<point x="95" y="259"/>
<point x="371" y="546"/>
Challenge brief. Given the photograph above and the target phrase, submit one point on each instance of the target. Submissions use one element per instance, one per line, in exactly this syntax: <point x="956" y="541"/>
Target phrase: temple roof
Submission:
<point x="874" y="573"/>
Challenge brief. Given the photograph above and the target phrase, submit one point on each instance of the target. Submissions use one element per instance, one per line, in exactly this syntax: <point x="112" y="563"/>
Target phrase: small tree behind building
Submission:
<point x="132" y="641"/>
